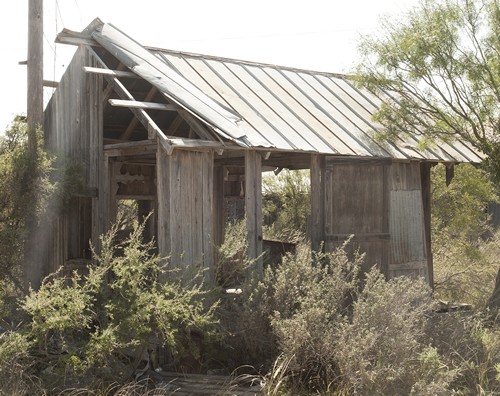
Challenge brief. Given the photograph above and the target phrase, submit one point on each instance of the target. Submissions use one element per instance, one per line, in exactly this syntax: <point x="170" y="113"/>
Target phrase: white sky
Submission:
<point x="311" y="34"/>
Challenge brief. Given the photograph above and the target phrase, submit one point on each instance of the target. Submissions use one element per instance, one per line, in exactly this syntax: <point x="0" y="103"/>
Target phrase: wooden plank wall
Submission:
<point x="356" y="203"/>
<point x="73" y="131"/>
<point x="384" y="204"/>
<point x="185" y="205"/>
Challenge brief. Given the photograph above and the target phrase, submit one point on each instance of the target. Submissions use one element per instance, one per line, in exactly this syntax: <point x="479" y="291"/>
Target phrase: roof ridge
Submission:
<point x="247" y="62"/>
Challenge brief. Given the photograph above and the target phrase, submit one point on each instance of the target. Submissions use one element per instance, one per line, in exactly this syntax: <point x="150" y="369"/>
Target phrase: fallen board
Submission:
<point x="198" y="384"/>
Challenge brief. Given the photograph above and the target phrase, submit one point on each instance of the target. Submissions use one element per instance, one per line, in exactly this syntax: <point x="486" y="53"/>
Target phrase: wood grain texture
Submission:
<point x="185" y="210"/>
<point x="356" y="203"/>
<point x="253" y="206"/>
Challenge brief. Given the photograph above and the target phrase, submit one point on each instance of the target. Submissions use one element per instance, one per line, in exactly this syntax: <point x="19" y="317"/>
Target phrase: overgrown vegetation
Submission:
<point x="101" y="327"/>
<point x="286" y="205"/>
<point x="465" y="246"/>
<point x="313" y="324"/>
<point x="24" y="190"/>
<point x="321" y="326"/>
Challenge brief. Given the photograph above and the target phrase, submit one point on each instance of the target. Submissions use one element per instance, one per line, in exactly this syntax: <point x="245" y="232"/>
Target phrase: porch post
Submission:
<point x="317" y="202"/>
<point x="253" y="206"/>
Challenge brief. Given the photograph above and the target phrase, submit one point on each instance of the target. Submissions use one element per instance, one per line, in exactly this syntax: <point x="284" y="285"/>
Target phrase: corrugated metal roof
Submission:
<point x="266" y="106"/>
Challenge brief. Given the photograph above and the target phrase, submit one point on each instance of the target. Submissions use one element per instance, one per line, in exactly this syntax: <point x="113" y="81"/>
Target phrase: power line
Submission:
<point x="55" y="50"/>
<point x="272" y="35"/>
<point x="79" y="10"/>
<point x="58" y="12"/>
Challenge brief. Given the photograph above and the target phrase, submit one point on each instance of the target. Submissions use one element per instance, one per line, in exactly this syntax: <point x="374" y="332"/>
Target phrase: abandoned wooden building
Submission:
<point x="175" y="131"/>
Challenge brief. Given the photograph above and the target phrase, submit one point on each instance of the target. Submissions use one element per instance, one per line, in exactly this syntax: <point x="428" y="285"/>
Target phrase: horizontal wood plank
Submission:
<point x="135" y="104"/>
<point x="359" y="237"/>
<point x="109" y="72"/>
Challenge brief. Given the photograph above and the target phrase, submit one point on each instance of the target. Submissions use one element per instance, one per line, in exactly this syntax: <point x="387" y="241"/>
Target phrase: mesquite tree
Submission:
<point x="438" y="71"/>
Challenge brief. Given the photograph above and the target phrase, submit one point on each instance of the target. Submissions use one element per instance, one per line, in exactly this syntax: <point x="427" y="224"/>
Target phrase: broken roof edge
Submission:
<point x="144" y="63"/>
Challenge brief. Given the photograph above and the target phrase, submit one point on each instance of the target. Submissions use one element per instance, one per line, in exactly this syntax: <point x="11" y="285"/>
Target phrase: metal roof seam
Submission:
<point x="412" y="137"/>
<point x="308" y="110"/>
<point x="290" y="110"/>
<point x="363" y="119"/>
<point x="171" y="65"/>
<point x="272" y="107"/>
<point x="327" y="113"/>
<point x="247" y="103"/>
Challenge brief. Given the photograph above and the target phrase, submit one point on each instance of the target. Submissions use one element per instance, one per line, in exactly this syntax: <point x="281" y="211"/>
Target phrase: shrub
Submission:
<point x="98" y="327"/>
<point x="16" y="365"/>
<point x="382" y="348"/>
<point x="351" y="333"/>
<point x="305" y="298"/>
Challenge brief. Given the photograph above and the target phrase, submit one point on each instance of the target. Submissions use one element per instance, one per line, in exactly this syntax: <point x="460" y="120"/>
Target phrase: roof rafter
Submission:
<point x="136" y="104"/>
<point x="143" y="117"/>
<point x="133" y="124"/>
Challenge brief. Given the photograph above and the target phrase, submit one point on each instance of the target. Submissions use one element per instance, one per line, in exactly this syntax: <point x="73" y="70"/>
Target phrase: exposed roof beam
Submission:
<point x="195" y="125"/>
<point x="148" y="146"/>
<point x="197" y="143"/>
<point x="75" y="38"/>
<point x="144" y="118"/>
<point x="133" y="124"/>
<point x="109" y="89"/>
<point x="80" y="38"/>
<point x="51" y="84"/>
<point x="135" y="104"/>
<point x="175" y="124"/>
<point x="109" y="72"/>
<point x="130" y="148"/>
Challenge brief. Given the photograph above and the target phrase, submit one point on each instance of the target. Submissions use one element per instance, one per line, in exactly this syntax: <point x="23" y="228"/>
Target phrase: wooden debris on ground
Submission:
<point x="198" y="384"/>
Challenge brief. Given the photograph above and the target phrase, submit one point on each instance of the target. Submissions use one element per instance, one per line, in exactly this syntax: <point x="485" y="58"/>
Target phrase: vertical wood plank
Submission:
<point x="317" y="202"/>
<point x="253" y="206"/>
<point x="208" y="247"/>
<point x="425" y="177"/>
<point x="96" y="157"/>
<point x="218" y="205"/>
<point x="386" y="207"/>
<point x="163" y="201"/>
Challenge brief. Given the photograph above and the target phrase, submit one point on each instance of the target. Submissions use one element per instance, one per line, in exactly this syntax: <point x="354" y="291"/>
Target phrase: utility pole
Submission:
<point x="35" y="72"/>
<point x="33" y="267"/>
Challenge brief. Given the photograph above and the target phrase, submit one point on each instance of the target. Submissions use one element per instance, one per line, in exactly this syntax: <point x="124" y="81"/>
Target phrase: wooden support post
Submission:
<point x="35" y="72"/>
<point x="163" y="201"/>
<point x="425" y="177"/>
<point x="253" y="206"/>
<point x="218" y="205"/>
<point x="97" y="158"/>
<point x="317" y="202"/>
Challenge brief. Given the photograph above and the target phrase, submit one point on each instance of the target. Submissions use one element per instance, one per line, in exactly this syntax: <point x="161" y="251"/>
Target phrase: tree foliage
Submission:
<point x="459" y="208"/>
<point x="438" y="71"/>
<point x="286" y="205"/>
<point x="24" y="190"/>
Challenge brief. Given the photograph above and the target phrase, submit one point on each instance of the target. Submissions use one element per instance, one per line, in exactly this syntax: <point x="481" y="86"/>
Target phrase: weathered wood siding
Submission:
<point x="356" y="203"/>
<point x="185" y="209"/>
<point x="379" y="203"/>
<point x="67" y="116"/>
<point x="73" y="131"/>
<point x="253" y="206"/>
